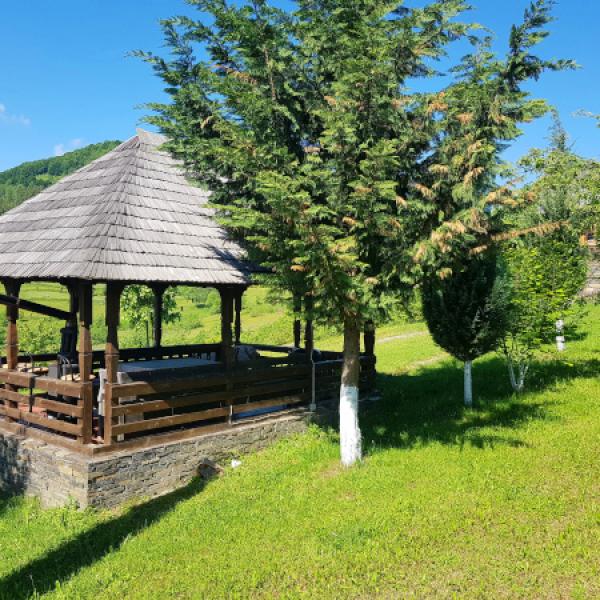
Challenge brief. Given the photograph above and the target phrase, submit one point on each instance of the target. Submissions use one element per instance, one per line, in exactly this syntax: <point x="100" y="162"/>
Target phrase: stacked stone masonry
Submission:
<point x="59" y="476"/>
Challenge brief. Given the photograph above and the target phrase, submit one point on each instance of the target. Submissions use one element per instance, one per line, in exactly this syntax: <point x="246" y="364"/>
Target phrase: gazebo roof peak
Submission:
<point x="128" y="216"/>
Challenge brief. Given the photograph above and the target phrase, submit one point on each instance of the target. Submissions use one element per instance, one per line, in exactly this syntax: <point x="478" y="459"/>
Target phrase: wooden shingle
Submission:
<point x="129" y="216"/>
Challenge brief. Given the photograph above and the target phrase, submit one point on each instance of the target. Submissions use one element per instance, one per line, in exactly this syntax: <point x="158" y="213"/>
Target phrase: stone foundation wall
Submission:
<point x="59" y="476"/>
<point x="161" y="469"/>
<point x="53" y="474"/>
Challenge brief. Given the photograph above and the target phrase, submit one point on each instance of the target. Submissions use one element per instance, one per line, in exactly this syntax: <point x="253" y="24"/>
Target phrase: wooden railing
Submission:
<point x="329" y="372"/>
<point x="61" y="404"/>
<point x="207" y="398"/>
<point x="66" y="407"/>
<point x="208" y="351"/>
<point x="216" y="398"/>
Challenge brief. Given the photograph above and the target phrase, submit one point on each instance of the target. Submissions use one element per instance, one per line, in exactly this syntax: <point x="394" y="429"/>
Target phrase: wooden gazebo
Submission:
<point x="132" y="217"/>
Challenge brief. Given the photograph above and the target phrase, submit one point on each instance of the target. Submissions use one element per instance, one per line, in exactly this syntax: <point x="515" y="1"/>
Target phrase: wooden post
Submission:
<point x="12" y="288"/>
<point x="111" y="355"/>
<point x="369" y="337"/>
<point x="238" y="316"/>
<point x="73" y="290"/>
<point x="297" y="321"/>
<point x="159" y="292"/>
<point x="85" y="359"/>
<point x="369" y="340"/>
<point x="309" y="342"/>
<point x="227" y="351"/>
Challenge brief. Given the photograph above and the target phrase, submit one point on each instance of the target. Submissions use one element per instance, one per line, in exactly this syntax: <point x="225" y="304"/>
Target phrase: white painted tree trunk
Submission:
<point x="350" y="438"/>
<point x="469" y="383"/>
<point x="517" y="381"/>
<point x="560" y="338"/>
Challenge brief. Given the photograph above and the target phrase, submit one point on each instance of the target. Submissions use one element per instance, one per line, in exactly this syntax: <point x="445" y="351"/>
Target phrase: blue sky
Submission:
<point x="65" y="80"/>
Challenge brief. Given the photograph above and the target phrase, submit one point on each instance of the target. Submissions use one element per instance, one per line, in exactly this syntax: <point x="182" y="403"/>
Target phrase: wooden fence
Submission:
<point x="206" y="398"/>
<point x="57" y="406"/>
<point x="214" y="397"/>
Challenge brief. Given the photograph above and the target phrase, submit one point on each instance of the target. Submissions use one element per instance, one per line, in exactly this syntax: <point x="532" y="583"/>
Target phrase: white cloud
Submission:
<point x="61" y="149"/>
<point x="11" y="119"/>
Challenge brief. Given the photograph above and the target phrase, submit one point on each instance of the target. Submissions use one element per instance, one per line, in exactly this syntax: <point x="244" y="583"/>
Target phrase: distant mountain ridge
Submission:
<point x="28" y="179"/>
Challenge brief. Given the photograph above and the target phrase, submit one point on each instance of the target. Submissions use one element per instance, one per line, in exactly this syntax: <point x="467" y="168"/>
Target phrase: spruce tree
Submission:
<point x="466" y="312"/>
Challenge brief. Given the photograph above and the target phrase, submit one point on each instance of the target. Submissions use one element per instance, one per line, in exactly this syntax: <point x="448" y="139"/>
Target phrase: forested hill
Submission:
<point x="26" y="180"/>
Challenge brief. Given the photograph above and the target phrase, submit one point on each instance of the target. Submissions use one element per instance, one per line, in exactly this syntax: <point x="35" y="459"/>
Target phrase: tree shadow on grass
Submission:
<point x="427" y="407"/>
<point x="59" y="564"/>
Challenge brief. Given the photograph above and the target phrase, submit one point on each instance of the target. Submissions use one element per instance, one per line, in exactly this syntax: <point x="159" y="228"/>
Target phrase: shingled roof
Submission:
<point x="128" y="216"/>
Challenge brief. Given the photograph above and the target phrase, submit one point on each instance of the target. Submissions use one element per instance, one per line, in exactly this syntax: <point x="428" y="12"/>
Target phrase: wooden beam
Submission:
<point x="309" y="341"/>
<point x="297" y="320"/>
<point x="227" y="349"/>
<point x="12" y="288"/>
<point x="113" y="317"/>
<point x="73" y="289"/>
<point x="10" y="299"/>
<point x="157" y="321"/>
<point x="85" y="360"/>
<point x="238" y="316"/>
<point x="369" y="338"/>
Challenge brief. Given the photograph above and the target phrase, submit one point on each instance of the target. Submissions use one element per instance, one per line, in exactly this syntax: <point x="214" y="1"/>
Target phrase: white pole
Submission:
<point x="468" y="383"/>
<point x="560" y="338"/>
<point x="350" y="438"/>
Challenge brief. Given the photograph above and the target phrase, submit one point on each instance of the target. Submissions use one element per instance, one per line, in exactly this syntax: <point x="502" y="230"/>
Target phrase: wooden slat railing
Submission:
<point x="60" y="402"/>
<point x="209" y="351"/>
<point x="143" y="407"/>
<point x="328" y="375"/>
<point x="194" y="398"/>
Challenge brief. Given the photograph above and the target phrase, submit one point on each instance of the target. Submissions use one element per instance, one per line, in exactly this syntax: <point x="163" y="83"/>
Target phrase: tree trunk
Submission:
<point x="469" y="383"/>
<point x="350" y="439"/>
<point x="517" y="383"/>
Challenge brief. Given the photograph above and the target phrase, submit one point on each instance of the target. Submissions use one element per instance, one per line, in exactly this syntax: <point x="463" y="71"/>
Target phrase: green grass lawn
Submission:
<point x="500" y="501"/>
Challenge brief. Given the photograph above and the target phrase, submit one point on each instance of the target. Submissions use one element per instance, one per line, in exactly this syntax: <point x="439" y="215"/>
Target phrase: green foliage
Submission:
<point x="477" y="118"/>
<point x="137" y="303"/>
<point x="22" y="182"/>
<point x="566" y="188"/>
<point x="304" y="153"/>
<point x="207" y="298"/>
<point x="466" y="312"/>
<point x="39" y="336"/>
<point x="544" y="276"/>
<point x="546" y="273"/>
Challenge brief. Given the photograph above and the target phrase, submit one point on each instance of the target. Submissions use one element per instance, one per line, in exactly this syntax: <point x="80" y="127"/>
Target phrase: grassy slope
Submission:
<point x="499" y="501"/>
